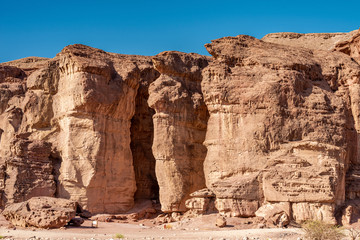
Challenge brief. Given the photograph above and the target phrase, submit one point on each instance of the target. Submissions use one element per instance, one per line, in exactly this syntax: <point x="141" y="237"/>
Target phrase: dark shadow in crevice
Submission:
<point x="56" y="161"/>
<point x="142" y="135"/>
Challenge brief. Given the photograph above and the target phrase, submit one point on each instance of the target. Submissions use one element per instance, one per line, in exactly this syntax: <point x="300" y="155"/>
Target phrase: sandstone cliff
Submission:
<point x="179" y="127"/>
<point x="81" y="103"/>
<point x="282" y="125"/>
<point x="271" y="122"/>
<point x="316" y="41"/>
<point x="142" y="135"/>
<point x="348" y="43"/>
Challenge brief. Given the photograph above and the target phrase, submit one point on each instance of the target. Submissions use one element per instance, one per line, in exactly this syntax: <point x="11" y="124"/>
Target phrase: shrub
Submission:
<point x="317" y="230"/>
<point x="167" y="226"/>
<point x="118" y="236"/>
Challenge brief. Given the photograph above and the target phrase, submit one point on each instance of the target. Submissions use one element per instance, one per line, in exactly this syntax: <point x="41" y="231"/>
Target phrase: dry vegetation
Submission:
<point x="317" y="230"/>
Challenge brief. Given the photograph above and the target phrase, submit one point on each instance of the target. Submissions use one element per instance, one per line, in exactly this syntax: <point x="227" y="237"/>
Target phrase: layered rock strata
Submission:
<point x="283" y="125"/>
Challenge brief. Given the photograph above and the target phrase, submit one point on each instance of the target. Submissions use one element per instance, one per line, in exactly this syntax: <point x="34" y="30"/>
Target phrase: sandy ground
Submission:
<point x="130" y="231"/>
<point x="197" y="228"/>
<point x="190" y="227"/>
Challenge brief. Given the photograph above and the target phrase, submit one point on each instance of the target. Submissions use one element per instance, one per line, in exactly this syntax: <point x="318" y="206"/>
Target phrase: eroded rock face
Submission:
<point x="281" y="122"/>
<point x="350" y="46"/>
<point x="201" y="202"/>
<point x="30" y="172"/>
<point x="348" y="43"/>
<point x="12" y="92"/>
<point x="277" y="214"/>
<point x="41" y="212"/>
<point x="81" y="102"/>
<point x="142" y="135"/>
<point x="179" y="127"/>
<point x="261" y="124"/>
<point x="93" y="106"/>
<point x="316" y="41"/>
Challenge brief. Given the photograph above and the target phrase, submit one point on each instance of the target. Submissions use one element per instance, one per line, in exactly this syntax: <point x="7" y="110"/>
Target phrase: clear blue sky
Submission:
<point x="43" y="28"/>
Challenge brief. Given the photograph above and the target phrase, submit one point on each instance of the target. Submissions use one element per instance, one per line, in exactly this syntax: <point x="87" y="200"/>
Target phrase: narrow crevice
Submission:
<point x="56" y="161"/>
<point x="142" y="135"/>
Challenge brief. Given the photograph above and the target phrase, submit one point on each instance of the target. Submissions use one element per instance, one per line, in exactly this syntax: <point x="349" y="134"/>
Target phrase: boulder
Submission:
<point x="234" y="207"/>
<point x="201" y="202"/>
<point x="76" y="222"/>
<point x="220" y="222"/>
<point x="315" y="211"/>
<point x="277" y="214"/>
<point x="41" y="212"/>
<point x="347" y="214"/>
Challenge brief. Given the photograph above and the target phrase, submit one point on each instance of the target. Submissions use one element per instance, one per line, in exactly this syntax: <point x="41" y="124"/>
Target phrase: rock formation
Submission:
<point x="348" y="43"/>
<point x="350" y="46"/>
<point x="142" y="135"/>
<point x="282" y="121"/>
<point x="81" y="103"/>
<point x="201" y="202"/>
<point x="316" y="41"/>
<point x="93" y="106"/>
<point x="41" y="212"/>
<point x="275" y="214"/>
<point x="30" y="172"/>
<point x="179" y="127"/>
<point x="260" y="124"/>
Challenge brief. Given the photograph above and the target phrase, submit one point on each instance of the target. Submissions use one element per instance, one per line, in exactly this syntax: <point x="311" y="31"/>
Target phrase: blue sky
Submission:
<point x="43" y="28"/>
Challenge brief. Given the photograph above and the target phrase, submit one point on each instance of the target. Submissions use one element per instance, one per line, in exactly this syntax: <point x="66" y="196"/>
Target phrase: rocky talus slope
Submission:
<point x="269" y="124"/>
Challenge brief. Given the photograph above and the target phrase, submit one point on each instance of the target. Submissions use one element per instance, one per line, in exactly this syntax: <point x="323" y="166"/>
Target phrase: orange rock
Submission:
<point x="220" y="222"/>
<point x="278" y="125"/>
<point x="261" y="121"/>
<point x="179" y="127"/>
<point x="41" y="212"/>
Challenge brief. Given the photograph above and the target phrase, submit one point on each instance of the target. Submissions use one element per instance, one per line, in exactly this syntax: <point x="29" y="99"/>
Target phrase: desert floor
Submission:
<point x="202" y="227"/>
